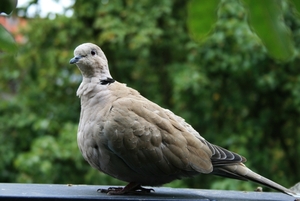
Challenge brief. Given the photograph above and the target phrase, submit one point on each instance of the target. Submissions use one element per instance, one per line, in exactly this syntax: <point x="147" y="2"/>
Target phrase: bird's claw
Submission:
<point x="110" y="189"/>
<point x="121" y="191"/>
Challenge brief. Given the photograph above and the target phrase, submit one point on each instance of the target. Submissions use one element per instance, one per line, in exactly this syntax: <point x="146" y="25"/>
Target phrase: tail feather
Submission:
<point x="241" y="172"/>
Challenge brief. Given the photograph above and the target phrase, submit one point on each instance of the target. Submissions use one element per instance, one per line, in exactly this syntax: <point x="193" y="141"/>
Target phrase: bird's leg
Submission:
<point x="131" y="188"/>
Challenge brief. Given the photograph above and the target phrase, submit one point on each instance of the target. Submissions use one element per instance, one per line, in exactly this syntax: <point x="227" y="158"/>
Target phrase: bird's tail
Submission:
<point x="240" y="171"/>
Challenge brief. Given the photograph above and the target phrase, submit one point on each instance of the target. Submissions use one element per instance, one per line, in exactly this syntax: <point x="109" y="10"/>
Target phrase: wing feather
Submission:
<point x="150" y="142"/>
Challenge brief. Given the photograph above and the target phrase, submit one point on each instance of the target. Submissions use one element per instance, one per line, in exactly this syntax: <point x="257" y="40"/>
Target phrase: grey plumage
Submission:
<point x="128" y="137"/>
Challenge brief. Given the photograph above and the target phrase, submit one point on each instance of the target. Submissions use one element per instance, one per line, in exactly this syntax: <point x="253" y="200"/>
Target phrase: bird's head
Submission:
<point x="91" y="61"/>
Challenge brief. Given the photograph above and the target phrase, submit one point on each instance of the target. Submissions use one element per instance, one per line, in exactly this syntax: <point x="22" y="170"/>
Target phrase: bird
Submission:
<point x="123" y="134"/>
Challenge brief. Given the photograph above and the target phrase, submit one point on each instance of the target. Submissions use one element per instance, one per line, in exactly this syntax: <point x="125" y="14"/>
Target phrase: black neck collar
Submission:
<point x="107" y="81"/>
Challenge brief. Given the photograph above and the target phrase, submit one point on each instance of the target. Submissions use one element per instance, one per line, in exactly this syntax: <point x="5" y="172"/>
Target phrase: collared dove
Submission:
<point x="126" y="136"/>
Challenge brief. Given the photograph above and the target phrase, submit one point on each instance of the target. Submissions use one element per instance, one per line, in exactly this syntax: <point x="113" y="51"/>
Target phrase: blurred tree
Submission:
<point x="228" y="88"/>
<point x="246" y="100"/>
<point x="264" y="16"/>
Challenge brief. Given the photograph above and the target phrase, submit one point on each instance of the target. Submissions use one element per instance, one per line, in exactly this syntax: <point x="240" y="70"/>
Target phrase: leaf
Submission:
<point x="296" y="3"/>
<point x="201" y="17"/>
<point x="7" y="42"/>
<point x="266" y="19"/>
<point x="7" y="6"/>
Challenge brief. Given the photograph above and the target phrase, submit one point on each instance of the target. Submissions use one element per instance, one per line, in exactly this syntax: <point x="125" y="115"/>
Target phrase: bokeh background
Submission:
<point x="230" y="68"/>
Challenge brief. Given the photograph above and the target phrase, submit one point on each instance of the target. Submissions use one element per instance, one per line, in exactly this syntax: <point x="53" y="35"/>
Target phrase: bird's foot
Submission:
<point x="131" y="188"/>
<point x="110" y="189"/>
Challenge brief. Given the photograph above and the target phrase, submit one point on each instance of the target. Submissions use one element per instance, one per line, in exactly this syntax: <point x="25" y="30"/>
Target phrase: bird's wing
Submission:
<point x="151" y="140"/>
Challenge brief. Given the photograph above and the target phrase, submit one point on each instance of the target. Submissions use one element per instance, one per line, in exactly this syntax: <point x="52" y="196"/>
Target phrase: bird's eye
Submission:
<point x="93" y="52"/>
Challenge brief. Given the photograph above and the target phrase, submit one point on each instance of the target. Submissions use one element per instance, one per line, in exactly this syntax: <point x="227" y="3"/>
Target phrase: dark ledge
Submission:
<point x="11" y="191"/>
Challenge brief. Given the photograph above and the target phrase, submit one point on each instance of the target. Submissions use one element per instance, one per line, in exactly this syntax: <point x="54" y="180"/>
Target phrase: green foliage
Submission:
<point x="245" y="98"/>
<point x="227" y="87"/>
<point x="264" y="16"/>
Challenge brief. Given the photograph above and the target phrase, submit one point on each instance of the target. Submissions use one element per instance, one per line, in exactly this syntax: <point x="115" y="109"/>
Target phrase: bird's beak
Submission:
<point x="75" y="59"/>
